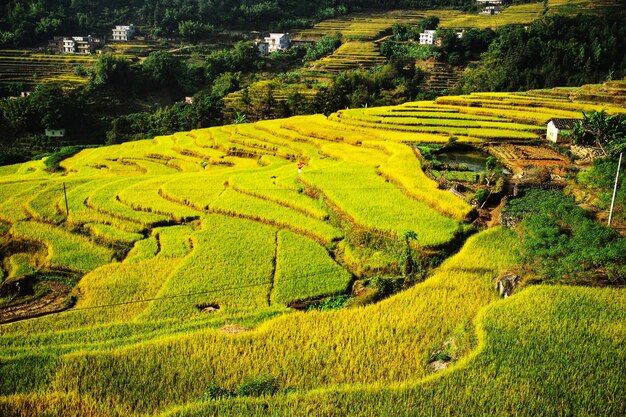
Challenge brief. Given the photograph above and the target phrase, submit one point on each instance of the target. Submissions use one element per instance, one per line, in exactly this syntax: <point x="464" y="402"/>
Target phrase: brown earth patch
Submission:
<point x="232" y="329"/>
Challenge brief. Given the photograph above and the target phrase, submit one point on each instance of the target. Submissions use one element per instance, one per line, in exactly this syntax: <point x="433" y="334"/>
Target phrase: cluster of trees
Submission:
<point x="599" y="181"/>
<point x="404" y="43"/>
<point x="562" y="244"/>
<point x="390" y="84"/>
<point x="103" y="109"/>
<point x="601" y="130"/>
<point x="553" y="51"/>
<point x="325" y="46"/>
<point x="25" y="22"/>
<point x="48" y="107"/>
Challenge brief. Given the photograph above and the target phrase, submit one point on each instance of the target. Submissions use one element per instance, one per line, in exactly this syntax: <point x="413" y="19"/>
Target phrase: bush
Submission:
<point x="55" y="158"/>
<point x="215" y="392"/>
<point x="562" y="244"/>
<point x="256" y="386"/>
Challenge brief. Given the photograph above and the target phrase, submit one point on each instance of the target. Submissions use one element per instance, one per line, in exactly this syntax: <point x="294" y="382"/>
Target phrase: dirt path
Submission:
<point x="53" y="302"/>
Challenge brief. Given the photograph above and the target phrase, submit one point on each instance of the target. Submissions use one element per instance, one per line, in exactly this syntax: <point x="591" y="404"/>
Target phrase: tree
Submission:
<point x="163" y="69"/>
<point x="110" y="70"/>
<point x="606" y="132"/>
<point x="194" y="30"/>
<point x="430" y="23"/>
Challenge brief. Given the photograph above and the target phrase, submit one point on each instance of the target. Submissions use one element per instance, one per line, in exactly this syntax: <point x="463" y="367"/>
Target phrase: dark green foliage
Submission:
<point x="429" y="23"/>
<point x="606" y="132"/>
<point x="53" y="159"/>
<point x="110" y="70"/>
<point x="386" y="286"/>
<point x="325" y="46"/>
<point x="457" y="51"/>
<point x="562" y="244"/>
<point x="162" y="69"/>
<point x="194" y="30"/>
<point x="330" y="303"/>
<point x="256" y="386"/>
<point x="31" y="21"/>
<point x="215" y="392"/>
<point x="553" y="51"/>
<point x="390" y="84"/>
<point x="244" y="56"/>
<point x="600" y="180"/>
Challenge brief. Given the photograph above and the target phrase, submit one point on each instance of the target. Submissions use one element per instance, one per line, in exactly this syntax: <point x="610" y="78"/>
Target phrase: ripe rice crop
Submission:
<point x="46" y="205"/>
<point x="111" y="235"/>
<point x="551" y="346"/>
<point x="225" y="234"/>
<point x="174" y="241"/>
<point x="227" y="252"/>
<point x="400" y="169"/>
<point x="241" y="205"/>
<point x="280" y="186"/>
<point x="21" y="264"/>
<point x="376" y="204"/>
<point x="299" y="279"/>
<point x="143" y="250"/>
<point x="104" y="199"/>
<point x="13" y="194"/>
<point x="65" y="250"/>
<point x="120" y="284"/>
<point x="144" y="196"/>
<point x="304" y="350"/>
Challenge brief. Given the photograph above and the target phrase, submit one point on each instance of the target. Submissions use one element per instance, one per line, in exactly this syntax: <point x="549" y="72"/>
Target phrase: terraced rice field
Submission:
<point x="363" y="25"/>
<point x="524" y="13"/>
<point x="610" y="92"/>
<point x="32" y="69"/>
<point x="360" y="30"/>
<point x="192" y="246"/>
<point x="351" y="55"/>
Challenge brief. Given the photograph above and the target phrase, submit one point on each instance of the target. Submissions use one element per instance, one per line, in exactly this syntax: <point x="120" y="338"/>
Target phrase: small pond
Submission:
<point x="468" y="159"/>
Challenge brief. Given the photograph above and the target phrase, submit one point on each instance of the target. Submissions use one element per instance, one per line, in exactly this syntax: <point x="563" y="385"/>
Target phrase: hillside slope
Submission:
<point x="191" y="247"/>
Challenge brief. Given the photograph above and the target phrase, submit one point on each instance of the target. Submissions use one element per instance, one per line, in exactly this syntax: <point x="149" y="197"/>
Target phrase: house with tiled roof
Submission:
<point x="557" y="126"/>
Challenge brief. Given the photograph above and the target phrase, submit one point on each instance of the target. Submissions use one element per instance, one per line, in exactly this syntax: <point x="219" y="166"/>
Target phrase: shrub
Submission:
<point x="256" y="386"/>
<point x="215" y="392"/>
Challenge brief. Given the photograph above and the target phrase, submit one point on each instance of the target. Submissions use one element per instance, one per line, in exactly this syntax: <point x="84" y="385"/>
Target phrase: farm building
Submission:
<point x="55" y="133"/>
<point x="556" y="127"/>
<point x="263" y="47"/>
<point x="83" y="45"/>
<point x="277" y="42"/>
<point x="490" y="7"/>
<point x="428" y="37"/>
<point x="124" y="33"/>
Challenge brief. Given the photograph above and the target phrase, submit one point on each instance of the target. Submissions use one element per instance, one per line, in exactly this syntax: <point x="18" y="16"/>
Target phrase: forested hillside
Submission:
<point x="30" y="21"/>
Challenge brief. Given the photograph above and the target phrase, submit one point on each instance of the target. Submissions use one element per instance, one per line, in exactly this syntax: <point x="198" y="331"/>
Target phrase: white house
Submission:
<point x="428" y="37"/>
<point x="84" y="45"/>
<point x="55" y="133"/>
<point x="490" y="10"/>
<point x="264" y="47"/>
<point x="277" y="42"/>
<point x="557" y="126"/>
<point x="123" y="33"/>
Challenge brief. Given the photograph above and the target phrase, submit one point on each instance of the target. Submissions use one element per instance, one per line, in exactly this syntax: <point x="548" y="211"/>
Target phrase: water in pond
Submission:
<point x="469" y="159"/>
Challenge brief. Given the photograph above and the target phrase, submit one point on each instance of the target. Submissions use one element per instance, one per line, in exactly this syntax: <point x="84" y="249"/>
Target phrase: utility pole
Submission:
<point x="67" y="207"/>
<point x="619" y="164"/>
